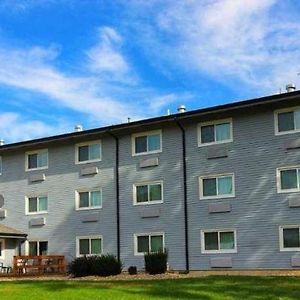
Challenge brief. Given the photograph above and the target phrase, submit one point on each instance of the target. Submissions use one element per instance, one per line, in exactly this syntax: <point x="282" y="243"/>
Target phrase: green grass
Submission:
<point x="212" y="287"/>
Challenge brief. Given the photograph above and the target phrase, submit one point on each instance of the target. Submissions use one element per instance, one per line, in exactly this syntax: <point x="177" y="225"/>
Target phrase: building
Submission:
<point x="218" y="187"/>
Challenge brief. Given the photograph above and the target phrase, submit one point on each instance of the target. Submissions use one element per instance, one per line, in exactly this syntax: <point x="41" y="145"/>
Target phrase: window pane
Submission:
<point x="83" y="153"/>
<point x="155" y="192"/>
<point x="297" y="119"/>
<point x="43" y="203"/>
<point x="33" y="248"/>
<point x="32" y="204"/>
<point x="94" y="151"/>
<point x="154" y="142"/>
<point x="223" y="132"/>
<point x="84" y="247"/>
<point x="142" y="193"/>
<point x="286" y="121"/>
<point x="43" y="248"/>
<point x="0" y="248"/>
<point x="226" y="240"/>
<point x="140" y="144"/>
<point x="143" y="243"/>
<point x="84" y="199"/>
<point x="96" y="246"/>
<point x="42" y="159"/>
<point x="156" y="243"/>
<point x="96" y="198"/>
<point x="288" y="179"/>
<point x="32" y="161"/>
<point x="291" y="238"/>
<point x="209" y="187"/>
<point x="211" y="240"/>
<point x="207" y="134"/>
<point x="225" y="185"/>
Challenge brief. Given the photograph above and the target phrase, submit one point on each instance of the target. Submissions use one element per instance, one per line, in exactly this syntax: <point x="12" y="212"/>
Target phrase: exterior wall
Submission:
<point x="10" y="249"/>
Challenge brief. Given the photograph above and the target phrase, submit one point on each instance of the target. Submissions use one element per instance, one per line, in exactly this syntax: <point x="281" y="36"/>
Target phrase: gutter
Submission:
<point x="186" y="231"/>
<point x="117" y="195"/>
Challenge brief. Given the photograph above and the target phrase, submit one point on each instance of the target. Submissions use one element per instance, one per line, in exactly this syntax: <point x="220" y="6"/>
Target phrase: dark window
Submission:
<point x="211" y="241"/>
<point x="43" y="248"/>
<point x="33" y="204"/>
<point x="209" y="187"/>
<point x="143" y="244"/>
<point x="84" y="246"/>
<point x="141" y="144"/>
<point x="32" y="161"/>
<point x="142" y="193"/>
<point x="83" y="153"/>
<point x="291" y="238"/>
<point x="207" y="134"/>
<point x="84" y="199"/>
<point x="288" y="179"/>
<point x="286" y="121"/>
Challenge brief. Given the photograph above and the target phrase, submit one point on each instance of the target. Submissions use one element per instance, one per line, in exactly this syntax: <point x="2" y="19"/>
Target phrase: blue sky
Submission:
<point x="95" y="63"/>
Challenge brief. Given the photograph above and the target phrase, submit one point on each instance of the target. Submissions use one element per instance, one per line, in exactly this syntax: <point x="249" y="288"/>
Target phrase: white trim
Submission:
<point x="145" y="133"/>
<point x="27" y="213"/>
<point x="88" y="237"/>
<point x="202" y="197"/>
<point x="36" y="152"/>
<point x="87" y="190"/>
<point x="149" y="234"/>
<point x="202" y="232"/>
<point x="148" y="183"/>
<point x="278" y="111"/>
<point x="215" y="122"/>
<point x="282" y="249"/>
<point x="38" y="245"/>
<point x="2" y="241"/>
<point x="278" y="179"/>
<point x="77" y="162"/>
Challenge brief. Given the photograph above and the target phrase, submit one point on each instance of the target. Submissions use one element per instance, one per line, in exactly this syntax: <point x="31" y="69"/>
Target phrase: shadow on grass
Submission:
<point x="206" y="288"/>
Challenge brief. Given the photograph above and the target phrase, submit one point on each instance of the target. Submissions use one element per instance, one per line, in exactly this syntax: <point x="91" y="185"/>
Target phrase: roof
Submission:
<point x="113" y="129"/>
<point x="6" y="231"/>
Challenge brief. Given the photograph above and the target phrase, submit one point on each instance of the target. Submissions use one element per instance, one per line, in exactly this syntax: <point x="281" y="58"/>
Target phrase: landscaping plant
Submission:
<point x="156" y="262"/>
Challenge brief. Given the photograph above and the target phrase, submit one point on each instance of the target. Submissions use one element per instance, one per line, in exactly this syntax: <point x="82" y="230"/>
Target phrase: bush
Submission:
<point x="104" y="265"/>
<point x="156" y="263"/>
<point x="132" y="270"/>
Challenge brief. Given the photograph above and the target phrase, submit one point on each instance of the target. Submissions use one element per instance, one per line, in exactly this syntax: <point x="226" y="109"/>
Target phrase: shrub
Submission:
<point x="132" y="270"/>
<point x="156" y="263"/>
<point x="104" y="265"/>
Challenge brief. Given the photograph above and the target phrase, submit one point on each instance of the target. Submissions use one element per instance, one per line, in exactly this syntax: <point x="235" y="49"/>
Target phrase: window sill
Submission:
<point x="147" y="153"/>
<point x="88" y="208"/>
<point x="290" y="250"/>
<point x="36" y="213"/>
<point x="217" y="197"/>
<point x="36" y="169"/>
<point x="219" y="251"/>
<point x="215" y="143"/>
<point x="147" y="203"/>
<point x="288" y="191"/>
<point x="287" y="132"/>
<point x="87" y="161"/>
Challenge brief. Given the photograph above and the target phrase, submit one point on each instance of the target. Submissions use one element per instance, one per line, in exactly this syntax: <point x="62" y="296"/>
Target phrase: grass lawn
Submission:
<point x="212" y="287"/>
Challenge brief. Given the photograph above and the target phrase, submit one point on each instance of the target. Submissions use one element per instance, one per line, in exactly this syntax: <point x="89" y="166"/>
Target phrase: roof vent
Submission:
<point x="181" y="109"/>
<point x="290" y="88"/>
<point x="78" y="128"/>
<point x="2" y="142"/>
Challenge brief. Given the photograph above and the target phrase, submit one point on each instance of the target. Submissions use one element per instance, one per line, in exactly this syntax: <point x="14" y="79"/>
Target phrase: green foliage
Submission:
<point x="156" y="262"/>
<point x="104" y="265"/>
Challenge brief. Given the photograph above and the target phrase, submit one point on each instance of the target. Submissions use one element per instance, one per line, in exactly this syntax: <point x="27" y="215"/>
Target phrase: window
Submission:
<point x="287" y="120"/>
<point x="0" y="165"/>
<point x="37" y="248"/>
<point x="35" y="205"/>
<point x="217" y="186"/>
<point x="145" y="143"/>
<point x="88" y="152"/>
<point x="89" y="245"/>
<point x="152" y="242"/>
<point x="215" y="132"/>
<point x="288" y="179"/>
<point x="148" y="193"/>
<point x="218" y="241"/>
<point x="289" y="237"/>
<point x="89" y="199"/>
<point x="2" y="249"/>
<point x="37" y="160"/>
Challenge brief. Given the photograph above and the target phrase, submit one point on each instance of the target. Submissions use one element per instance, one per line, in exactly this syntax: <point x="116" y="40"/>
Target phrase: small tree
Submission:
<point x="156" y="262"/>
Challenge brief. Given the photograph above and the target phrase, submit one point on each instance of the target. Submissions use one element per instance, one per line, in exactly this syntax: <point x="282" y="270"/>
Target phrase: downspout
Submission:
<point x="117" y="195"/>
<point x="186" y="231"/>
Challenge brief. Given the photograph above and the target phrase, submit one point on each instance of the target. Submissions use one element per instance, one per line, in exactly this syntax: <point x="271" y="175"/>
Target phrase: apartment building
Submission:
<point x="217" y="187"/>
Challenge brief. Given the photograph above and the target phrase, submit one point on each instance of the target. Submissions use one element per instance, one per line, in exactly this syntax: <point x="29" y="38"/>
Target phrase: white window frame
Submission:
<point x="38" y="246"/>
<point x="278" y="180"/>
<point x="215" y="122"/>
<point x="282" y="249"/>
<point x="87" y="190"/>
<point x="37" y="212"/>
<point x="146" y="133"/>
<point x="204" y="251"/>
<point x="149" y="234"/>
<point x="278" y="111"/>
<point x="2" y="256"/>
<point x="36" y="152"/>
<point x="89" y="237"/>
<point x="77" y="162"/>
<point x="148" y="183"/>
<point x="202" y="197"/>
